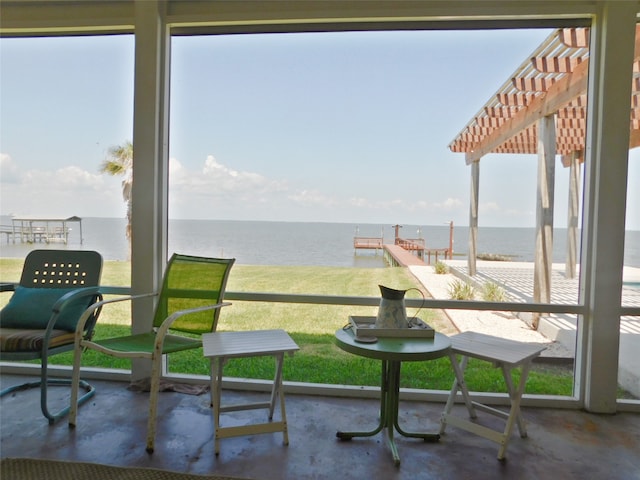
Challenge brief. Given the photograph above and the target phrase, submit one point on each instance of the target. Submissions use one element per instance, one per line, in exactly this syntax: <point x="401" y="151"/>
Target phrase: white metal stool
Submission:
<point x="220" y="347"/>
<point x="504" y="354"/>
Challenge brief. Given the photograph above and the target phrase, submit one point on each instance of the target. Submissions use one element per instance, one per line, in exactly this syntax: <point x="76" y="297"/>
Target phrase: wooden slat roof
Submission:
<point x="552" y="81"/>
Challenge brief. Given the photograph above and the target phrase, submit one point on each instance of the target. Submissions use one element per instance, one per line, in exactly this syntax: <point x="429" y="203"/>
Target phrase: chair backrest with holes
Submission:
<point x="61" y="269"/>
<point x="48" y="276"/>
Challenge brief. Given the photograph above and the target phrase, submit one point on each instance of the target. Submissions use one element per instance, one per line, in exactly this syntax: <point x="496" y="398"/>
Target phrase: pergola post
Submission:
<point x="544" y="212"/>
<point x="572" y="213"/>
<point x="473" y="218"/>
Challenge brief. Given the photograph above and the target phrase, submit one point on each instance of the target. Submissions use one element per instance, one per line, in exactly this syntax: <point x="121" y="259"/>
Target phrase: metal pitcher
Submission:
<point x="392" y="312"/>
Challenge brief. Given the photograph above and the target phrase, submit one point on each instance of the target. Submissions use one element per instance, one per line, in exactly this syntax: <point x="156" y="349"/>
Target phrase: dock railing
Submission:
<point x="411" y="243"/>
<point x="368" y="242"/>
<point x="35" y="233"/>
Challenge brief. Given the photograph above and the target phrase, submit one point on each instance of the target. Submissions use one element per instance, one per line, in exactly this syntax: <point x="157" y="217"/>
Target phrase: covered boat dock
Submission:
<point x="24" y="229"/>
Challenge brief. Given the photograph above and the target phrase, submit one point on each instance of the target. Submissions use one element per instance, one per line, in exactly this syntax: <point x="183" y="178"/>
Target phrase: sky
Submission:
<point x="319" y="127"/>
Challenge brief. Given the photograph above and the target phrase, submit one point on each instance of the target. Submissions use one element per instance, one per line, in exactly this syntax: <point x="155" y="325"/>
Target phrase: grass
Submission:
<point x="311" y="326"/>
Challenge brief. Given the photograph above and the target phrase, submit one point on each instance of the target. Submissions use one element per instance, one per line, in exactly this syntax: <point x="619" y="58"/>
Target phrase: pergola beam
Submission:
<point x="558" y="95"/>
<point x="555" y="64"/>
<point x="554" y="82"/>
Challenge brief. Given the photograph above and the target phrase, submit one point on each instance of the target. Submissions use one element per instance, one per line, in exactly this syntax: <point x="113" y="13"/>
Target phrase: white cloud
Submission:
<point x="70" y="190"/>
<point x="312" y="197"/>
<point x="215" y="190"/>
<point x="229" y="179"/>
<point x="63" y="179"/>
<point x="9" y="172"/>
<point x="216" y="179"/>
<point x="489" y="207"/>
<point x="449" y="203"/>
<point x="177" y="172"/>
<point x="494" y="208"/>
<point x="211" y="190"/>
<point x="359" y="202"/>
<point x="218" y="191"/>
<point x="512" y="212"/>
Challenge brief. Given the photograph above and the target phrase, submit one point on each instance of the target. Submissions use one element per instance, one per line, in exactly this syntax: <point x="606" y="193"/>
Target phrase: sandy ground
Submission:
<point x="501" y="324"/>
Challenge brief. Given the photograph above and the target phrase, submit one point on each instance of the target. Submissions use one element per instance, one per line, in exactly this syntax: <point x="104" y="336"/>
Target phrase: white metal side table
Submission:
<point x="222" y="346"/>
<point x="504" y="354"/>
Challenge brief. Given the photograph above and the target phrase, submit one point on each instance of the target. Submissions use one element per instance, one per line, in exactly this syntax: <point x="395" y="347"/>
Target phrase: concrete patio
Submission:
<point x="563" y="444"/>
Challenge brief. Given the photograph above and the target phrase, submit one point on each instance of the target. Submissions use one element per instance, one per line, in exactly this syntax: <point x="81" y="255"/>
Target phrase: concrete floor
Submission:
<point x="563" y="444"/>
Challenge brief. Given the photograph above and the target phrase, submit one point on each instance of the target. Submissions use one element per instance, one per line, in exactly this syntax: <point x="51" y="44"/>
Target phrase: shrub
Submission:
<point x="492" y="292"/>
<point x="494" y="257"/>
<point x="459" y="290"/>
<point x="441" y="268"/>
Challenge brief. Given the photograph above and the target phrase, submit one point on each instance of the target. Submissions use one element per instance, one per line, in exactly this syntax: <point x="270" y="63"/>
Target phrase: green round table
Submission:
<point x="392" y="352"/>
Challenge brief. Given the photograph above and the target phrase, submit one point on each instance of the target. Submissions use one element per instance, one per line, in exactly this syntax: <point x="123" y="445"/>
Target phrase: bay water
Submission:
<point x="302" y="243"/>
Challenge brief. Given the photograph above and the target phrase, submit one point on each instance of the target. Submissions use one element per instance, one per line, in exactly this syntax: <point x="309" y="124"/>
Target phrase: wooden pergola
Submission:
<point x="542" y="110"/>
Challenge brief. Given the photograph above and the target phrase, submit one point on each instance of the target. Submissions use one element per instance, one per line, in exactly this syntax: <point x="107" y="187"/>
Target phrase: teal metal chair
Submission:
<point x="188" y="303"/>
<point x="56" y="287"/>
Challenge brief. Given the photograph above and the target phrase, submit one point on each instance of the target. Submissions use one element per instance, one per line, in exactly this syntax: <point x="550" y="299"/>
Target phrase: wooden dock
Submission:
<point x="404" y="252"/>
<point x="34" y="235"/>
<point x="39" y="230"/>
<point x="368" y="243"/>
<point x="396" y="256"/>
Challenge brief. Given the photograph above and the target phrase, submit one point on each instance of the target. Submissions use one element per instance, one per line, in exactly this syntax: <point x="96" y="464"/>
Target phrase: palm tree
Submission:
<point x="120" y="162"/>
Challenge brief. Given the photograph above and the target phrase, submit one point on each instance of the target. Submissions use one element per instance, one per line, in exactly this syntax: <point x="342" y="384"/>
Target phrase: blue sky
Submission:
<point x="337" y="127"/>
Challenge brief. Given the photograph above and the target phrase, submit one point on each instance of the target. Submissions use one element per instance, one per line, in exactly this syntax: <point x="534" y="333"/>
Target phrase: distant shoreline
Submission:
<point x="309" y="243"/>
<point x="378" y="225"/>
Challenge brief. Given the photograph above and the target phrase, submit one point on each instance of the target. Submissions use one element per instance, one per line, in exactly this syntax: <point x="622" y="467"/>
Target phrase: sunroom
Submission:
<point x="613" y="55"/>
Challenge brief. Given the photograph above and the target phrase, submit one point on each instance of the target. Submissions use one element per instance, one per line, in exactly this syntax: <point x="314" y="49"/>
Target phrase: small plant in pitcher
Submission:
<point x="459" y="290"/>
<point x="441" y="268"/>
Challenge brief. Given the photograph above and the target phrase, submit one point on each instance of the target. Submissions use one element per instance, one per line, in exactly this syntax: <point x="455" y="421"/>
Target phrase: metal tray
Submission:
<point x="366" y="327"/>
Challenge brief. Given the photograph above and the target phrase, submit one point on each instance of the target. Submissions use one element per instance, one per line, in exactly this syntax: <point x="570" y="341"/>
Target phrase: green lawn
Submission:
<point x="311" y="326"/>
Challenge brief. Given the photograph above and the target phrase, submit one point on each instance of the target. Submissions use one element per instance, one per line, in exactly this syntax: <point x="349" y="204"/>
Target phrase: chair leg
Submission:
<point x="275" y="389"/>
<point x="516" y="395"/>
<point x="154" y="389"/>
<point x="280" y="392"/>
<point x="46" y="382"/>
<point x="75" y="385"/>
<point x="217" y="367"/>
<point x="514" y="416"/>
<point x="459" y="384"/>
<point x="54" y="417"/>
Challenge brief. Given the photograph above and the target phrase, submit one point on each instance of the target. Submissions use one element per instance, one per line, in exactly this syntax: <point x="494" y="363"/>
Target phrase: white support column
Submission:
<point x="573" y="209"/>
<point x="150" y="177"/>
<point x="473" y="218"/>
<point x="544" y="213"/>
<point x="606" y="169"/>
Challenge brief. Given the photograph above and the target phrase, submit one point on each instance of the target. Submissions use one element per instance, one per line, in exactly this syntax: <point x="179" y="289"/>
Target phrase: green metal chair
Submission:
<point x="189" y="302"/>
<point x="55" y="288"/>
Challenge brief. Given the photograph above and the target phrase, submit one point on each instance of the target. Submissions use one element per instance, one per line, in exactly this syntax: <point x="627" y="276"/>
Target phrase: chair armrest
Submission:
<point x="64" y="300"/>
<point x="59" y="307"/>
<point x="8" y="287"/>
<point x="108" y="290"/>
<point x="166" y="324"/>
<point x="87" y="313"/>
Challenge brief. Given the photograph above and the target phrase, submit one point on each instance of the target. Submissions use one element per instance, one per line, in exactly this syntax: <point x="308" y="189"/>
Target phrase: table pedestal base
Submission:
<point x="389" y="403"/>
